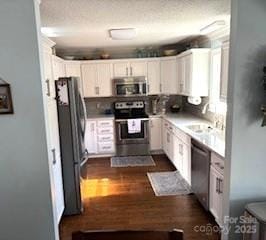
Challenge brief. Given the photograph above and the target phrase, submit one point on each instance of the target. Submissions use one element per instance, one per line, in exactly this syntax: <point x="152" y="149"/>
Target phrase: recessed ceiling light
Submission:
<point x="213" y="27"/>
<point x="123" y="33"/>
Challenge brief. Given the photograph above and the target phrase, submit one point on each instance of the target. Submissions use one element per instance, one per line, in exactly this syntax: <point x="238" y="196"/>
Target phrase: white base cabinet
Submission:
<point x="99" y="136"/>
<point x="177" y="146"/>
<point x="91" y="137"/>
<point x="216" y="188"/>
<point x="155" y="125"/>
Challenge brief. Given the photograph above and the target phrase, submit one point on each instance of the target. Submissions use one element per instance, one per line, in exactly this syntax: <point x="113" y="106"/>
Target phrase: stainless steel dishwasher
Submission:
<point x="200" y="166"/>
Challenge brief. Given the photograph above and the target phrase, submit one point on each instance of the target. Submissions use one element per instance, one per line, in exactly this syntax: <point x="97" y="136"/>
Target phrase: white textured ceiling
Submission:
<point x="84" y="24"/>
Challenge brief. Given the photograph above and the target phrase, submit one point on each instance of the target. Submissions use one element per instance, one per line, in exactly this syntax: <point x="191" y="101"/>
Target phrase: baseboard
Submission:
<point x="157" y="152"/>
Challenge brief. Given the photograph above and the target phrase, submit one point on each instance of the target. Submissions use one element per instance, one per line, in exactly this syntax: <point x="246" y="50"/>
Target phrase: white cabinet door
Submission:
<point x="154" y="78"/>
<point x="224" y="71"/>
<point x="187" y="64"/>
<point x="180" y="78"/>
<point x="138" y="68"/>
<point x="104" y="79"/>
<point x="177" y="160"/>
<point x="89" y="79"/>
<point x="58" y="67"/>
<point x="185" y="155"/>
<point x="91" y="137"/>
<point x="193" y="72"/>
<point x="170" y="144"/>
<point x="164" y="135"/>
<point x="216" y="195"/>
<point x="155" y="133"/>
<point x="73" y="69"/>
<point x="168" y="76"/>
<point x="121" y="68"/>
<point x="56" y="158"/>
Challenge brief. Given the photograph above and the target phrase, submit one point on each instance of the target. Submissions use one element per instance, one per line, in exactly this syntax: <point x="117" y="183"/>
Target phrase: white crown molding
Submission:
<point x="48" y="42"/>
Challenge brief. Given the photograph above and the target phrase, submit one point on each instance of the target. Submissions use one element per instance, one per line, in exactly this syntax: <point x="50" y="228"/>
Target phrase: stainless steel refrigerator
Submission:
<point x="72" y="126"/>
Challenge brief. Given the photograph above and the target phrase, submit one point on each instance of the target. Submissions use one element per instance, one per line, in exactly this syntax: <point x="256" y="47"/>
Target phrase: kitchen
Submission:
<point x="177" y="96"/>
<point x="148" y="124"/>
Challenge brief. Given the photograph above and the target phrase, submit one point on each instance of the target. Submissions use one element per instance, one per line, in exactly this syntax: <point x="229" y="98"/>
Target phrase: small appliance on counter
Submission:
<point x="175" y="108"/>
<point x="154" y="104"/>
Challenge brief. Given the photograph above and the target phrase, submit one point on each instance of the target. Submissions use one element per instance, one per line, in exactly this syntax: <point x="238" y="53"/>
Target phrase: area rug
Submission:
<point x="168" y="183"/>
<point x="132" y="161"/>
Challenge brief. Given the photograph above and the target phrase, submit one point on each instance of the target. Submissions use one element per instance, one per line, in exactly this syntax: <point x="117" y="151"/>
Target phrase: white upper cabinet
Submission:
<point x="97" y="79"/>
<point x="128" y="68"/>
<point x="224" y="71"/>
<point x="193" y="72"/>
<point x="104" y="79"/>
<point x="73" y="70"/>
<point x="154" y="78"/>
<point x="121" y="68"/>
<point x="169" y="75"/>
<point x="89" y="79"/>
<point x="58" y="67"/>
<point x="138" y="68"/>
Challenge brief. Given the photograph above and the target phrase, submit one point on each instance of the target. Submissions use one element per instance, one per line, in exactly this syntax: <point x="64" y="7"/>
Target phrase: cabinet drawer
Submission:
<point x="182" y="136"/>
<point x="105" y="130"/>
<point x="106" y="147"/>
<point x="106" y="138"/>
<point x="105" y="123"/>
<point x="217" y="162"/>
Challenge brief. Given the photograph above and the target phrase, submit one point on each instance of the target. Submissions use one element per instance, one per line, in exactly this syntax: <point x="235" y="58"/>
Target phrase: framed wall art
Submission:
<point x="6" y="105"/>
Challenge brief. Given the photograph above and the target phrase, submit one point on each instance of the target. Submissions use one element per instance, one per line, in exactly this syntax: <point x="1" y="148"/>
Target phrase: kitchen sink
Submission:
<point x="200" y="128"/>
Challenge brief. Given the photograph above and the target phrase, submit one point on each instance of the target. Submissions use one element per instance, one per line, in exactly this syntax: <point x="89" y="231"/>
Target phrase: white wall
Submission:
<point x="25" y="192"/>
<point x="246" y="139"/>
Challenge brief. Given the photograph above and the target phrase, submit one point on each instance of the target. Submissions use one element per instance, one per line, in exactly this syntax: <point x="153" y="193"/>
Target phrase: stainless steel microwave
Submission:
<point x="130" y="86"/>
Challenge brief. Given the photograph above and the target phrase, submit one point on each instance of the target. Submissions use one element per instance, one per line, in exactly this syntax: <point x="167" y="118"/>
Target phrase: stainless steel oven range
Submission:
<point x="130" y="143"/>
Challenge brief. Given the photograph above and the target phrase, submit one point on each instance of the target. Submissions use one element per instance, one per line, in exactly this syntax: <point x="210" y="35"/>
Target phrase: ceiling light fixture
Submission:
<point x="49" y="32"/>
<point x="123" y="33"/>
<point x="213" y="27"/>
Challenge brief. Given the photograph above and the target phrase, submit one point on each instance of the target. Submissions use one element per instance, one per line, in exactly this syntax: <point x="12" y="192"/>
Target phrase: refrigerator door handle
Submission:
<point x="85" y="113"/>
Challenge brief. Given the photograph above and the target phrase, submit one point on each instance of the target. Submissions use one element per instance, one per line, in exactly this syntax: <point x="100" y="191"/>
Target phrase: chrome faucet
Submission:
<point x="204" y="109"/>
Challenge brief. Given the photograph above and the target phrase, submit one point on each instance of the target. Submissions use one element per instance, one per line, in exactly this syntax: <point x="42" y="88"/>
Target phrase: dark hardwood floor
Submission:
<point x="122" y="198"/>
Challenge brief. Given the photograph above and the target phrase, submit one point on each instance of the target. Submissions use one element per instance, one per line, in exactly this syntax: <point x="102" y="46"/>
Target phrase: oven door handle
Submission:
<point x="125" y="120"/>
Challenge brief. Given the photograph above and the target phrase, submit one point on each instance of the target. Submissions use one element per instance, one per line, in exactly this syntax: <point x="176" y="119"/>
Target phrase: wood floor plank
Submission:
<point x="123" y="199"/>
